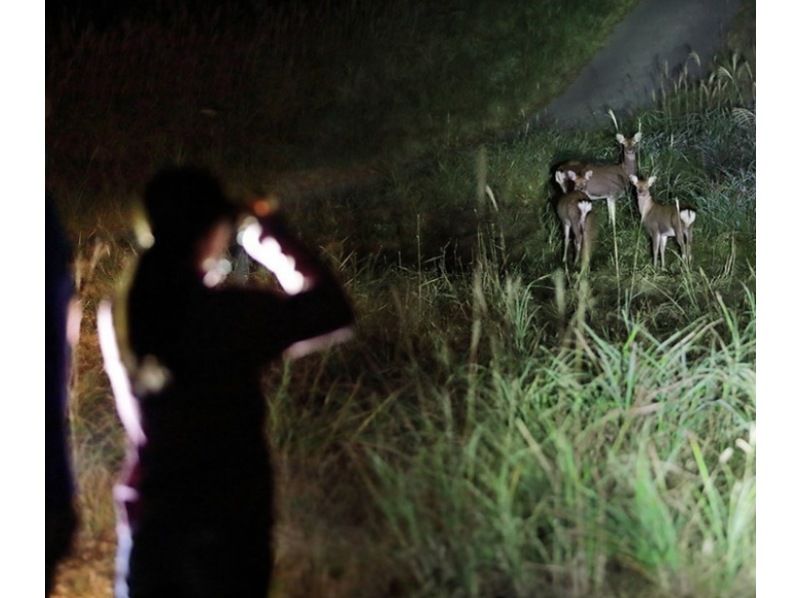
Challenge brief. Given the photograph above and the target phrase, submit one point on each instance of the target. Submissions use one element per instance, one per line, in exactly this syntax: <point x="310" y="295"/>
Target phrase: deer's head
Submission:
<point x="580" y="181"/>
<point x="629" y="145"/>
<point x="642" y="186"/>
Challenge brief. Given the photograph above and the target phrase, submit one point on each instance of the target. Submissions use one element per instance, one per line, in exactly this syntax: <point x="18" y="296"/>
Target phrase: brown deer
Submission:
<point x="562" y="174"/>
<point x="610" y="181"/>
<point x="663" y="221"/>
<point x="572" y="209"/>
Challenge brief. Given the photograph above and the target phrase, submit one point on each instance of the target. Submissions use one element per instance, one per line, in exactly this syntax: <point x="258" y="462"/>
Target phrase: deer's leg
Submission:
<point x="612" y="214"/>
<point x="578" y="243"/>
<point x="663" y="249"/>
<point x="612" y="209"/>
<point x="586" y="255"/>
<point x="656" y="240"/>
<point x="566" y="242"/>
<point x="679" y="237"/>
<point x="689" y="243"/>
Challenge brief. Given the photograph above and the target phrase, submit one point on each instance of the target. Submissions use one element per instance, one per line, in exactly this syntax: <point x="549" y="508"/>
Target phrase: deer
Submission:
<point x="608" y="181"/>
<point x="662" y="221"/>
<point x="572" y="209"/>
<point x="562" y="174"/>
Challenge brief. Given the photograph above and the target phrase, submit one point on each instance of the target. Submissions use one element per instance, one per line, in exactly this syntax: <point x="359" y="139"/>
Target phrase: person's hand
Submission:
<point x="265" y="249"/>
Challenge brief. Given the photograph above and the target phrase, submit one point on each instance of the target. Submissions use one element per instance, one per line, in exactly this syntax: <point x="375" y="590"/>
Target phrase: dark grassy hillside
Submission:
<point x="294" y="87"/>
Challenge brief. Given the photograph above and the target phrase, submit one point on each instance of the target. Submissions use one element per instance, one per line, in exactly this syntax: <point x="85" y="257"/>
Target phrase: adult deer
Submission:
<point x="608" y="181"/>
<point x="662" y="221"/>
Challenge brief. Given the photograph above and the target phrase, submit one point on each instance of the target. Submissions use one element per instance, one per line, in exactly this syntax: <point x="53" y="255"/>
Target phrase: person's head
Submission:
<point x="188" y="212"/>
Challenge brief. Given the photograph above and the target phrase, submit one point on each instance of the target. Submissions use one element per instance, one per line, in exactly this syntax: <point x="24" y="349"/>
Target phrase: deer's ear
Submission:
<point x="621" y="138"/>
<point x="559" y="176"/>
<point x="588" y="174"/>
<point x="634" y="179"/>
<point x="571" y="174"/>
<point x="651" y="180"/>
<point x="638" y="137"/>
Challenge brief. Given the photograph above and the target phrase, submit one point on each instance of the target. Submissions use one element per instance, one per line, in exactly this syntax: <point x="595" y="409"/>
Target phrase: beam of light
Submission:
<point x="269" y="253"/>
<point x="127" y="407"/>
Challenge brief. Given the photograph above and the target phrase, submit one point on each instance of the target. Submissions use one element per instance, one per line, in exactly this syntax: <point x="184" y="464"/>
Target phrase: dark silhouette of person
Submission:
<point x="195" y="501"/>
<point x="60" y="518"/>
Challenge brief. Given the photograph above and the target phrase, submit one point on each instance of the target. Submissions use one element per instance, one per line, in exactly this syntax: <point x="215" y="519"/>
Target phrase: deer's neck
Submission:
<point x="629" y="163"/>
<point x="645" y="201"/>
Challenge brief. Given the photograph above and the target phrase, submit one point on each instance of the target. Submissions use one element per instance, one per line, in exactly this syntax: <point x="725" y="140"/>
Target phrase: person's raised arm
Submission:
<point x="318" y="308"/>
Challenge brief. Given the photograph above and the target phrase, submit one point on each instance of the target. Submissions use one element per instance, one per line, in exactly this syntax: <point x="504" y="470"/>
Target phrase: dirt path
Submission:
<point x="624" y="74"/>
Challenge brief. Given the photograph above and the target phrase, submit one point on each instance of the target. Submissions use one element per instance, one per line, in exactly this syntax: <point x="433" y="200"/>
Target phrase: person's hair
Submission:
<point x="183" y="203"/>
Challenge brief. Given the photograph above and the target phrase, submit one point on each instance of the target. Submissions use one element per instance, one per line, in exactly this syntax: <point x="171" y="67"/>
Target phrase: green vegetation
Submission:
<point x="523" y="432"/>
<point x="500" y="427"/>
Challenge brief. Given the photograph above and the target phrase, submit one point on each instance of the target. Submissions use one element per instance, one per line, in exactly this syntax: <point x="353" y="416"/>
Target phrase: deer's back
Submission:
<point x="606" y="179"/>
<point x="576" y="166"/>
<point x="663" y="219"/>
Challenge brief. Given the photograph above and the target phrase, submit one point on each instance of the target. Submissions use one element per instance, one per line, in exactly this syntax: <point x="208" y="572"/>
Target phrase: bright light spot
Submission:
<point x="143" y="234"/>
<point x="127" y="407"/>
<point x="124" y="493"/>
<point x="245" y="224"/>
<point x="151" y="376"/>
<point x="124" y="545"/>
<point x="263" y="207"/>
<point x="74" y="315"/>
<point x="324" y="341"/>
<point x="147" y="240"/>
<point x="268" y="252"/>
<point x="211" y="279"/>
<point x="216" y="270"/>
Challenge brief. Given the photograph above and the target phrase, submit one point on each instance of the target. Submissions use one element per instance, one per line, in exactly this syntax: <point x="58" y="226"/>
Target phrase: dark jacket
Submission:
<point x="205" y="427"/>
<point x="58" y="290"/>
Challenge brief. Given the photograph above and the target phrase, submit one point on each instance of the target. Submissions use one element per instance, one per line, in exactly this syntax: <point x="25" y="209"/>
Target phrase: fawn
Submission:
<point x="664" y="221"/>
<point x="562" y="174"/>
<point x="572" y="209"/>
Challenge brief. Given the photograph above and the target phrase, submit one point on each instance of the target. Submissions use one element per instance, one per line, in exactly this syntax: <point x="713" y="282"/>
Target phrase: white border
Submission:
<point x="778" y="298"/>
<point x="22" y="249"/>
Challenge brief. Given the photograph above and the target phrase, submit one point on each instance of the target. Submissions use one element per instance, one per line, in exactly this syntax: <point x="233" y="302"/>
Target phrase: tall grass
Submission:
<point x="522" y="434"/>
<point x="513" y="449"/>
